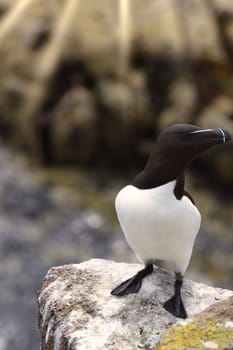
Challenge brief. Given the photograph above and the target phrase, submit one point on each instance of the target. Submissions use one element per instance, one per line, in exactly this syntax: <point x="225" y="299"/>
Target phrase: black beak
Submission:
<point x="218" y="135"/>
<point x="223" y="134"/>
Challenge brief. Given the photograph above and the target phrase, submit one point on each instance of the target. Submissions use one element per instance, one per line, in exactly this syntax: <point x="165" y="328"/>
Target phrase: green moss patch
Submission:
<point x="197" y="335"/>
<point x="212" y="329"/>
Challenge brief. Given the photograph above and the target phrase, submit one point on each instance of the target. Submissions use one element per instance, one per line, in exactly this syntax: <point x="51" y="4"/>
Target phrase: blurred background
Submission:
<point x="85" y="87"/>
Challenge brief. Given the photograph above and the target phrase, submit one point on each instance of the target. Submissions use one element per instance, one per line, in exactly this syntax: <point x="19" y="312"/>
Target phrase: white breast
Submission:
<point x="157" y="225"/>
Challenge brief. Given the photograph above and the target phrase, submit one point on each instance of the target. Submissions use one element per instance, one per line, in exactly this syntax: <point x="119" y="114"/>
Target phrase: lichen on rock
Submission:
<point x="212" y="329"/>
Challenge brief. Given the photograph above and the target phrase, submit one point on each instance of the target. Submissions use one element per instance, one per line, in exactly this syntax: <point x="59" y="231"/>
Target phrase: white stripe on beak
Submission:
<point x="223" y="135"/>
<point x="199" y="131"/>
<point x="210" y="130"/>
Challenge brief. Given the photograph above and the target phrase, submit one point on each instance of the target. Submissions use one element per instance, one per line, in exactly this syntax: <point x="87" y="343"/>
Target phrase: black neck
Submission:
<point x="159" y="172"/>
<point x="161" y="168"/>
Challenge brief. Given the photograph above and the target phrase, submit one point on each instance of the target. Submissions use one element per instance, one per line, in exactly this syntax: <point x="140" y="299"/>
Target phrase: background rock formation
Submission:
<point x="76" y="75"/>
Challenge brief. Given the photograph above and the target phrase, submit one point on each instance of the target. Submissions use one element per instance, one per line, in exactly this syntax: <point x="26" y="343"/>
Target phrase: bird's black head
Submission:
<point x="174" y="149"/>
<point x="184" y="141"/>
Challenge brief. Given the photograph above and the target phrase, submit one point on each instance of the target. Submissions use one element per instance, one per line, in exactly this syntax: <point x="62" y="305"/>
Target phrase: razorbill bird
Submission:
<point x="158" y="217"/>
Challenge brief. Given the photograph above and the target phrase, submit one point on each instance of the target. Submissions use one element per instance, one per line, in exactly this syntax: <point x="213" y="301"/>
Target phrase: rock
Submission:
<point x="223" y="6"/>
<point x="118" y="96"/>
<point x="124" y="111"/>
<point x="212" y="329"/>
<point x="163" y="47"/>
<point x="156" y="28"/>
<point x="127" y="99"/>
<point x="77" y="311"/>
<point x="74" y="129"/>
<point x="97" y="21"/>
<point x="183" y="98"/>
<point x="203" y="41"/>
<point x="219" y="113"/>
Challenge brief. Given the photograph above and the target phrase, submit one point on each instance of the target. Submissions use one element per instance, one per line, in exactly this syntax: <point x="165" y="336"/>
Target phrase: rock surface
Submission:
<point x="76" y="310"/>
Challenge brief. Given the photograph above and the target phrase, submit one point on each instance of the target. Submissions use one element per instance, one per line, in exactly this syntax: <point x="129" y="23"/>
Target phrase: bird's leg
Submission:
<point x="133" y="284"/>
<point x="175" y="304"/>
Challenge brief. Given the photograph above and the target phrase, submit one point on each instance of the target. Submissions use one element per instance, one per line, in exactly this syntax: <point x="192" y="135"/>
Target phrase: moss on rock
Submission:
<point x="212" y="329"/>
<point x="197" y="335"/>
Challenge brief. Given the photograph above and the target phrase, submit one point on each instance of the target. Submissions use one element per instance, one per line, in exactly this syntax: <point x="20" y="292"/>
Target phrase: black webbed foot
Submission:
<point x="175" y="307"/>
<point x="175" y="304"/>
<point x="133" y="284"/>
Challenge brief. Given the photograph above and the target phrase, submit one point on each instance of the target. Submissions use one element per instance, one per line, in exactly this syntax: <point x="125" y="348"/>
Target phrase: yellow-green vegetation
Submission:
<point x="197" y="334"/>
